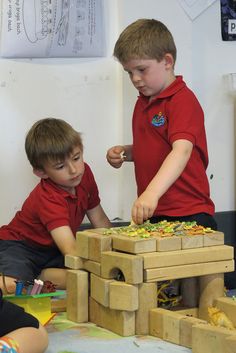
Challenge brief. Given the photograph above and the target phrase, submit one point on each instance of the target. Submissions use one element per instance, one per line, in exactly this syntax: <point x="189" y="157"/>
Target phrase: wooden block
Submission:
<point x="130" y="265"/>
<point x="171" y="326"/>
<point x="209" y="339"/>
<point x="156" y="322"/>
<point x="230" y="344"/>
<point x="98" y="243"/>
<point x="168" y="243"/>
<point x="98" y="231"/>
<point x="213" y="239"/>
<point x="133" y="245"/>
<point x="186" y="324"/>
<point x="82" y="244"/>
<point x="184" y="271"/>
<point x="188" y="256"/>
<point x="211" y="287"/>
<point x="123" y="296"/>
<point x="191" y="241"/>
<point x="77" y="295"/>
<point x="74" y="262"/>
<point x="99" y="289"/>
<point x="228" y="306"/>
<point x="58" y="305"/>
<point x="147" y="298"/>
<point x="93" y="267"/>
<point x="117" y="321"/>
<point x="190" y="312"/>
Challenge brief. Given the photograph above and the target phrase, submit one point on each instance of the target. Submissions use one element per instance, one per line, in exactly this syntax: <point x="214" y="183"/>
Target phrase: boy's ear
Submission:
<point x="40" y="173"/>
<point x="169" y="60"/>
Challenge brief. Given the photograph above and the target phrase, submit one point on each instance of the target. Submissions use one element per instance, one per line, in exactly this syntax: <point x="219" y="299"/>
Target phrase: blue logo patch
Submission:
<point x="158" y="120"/>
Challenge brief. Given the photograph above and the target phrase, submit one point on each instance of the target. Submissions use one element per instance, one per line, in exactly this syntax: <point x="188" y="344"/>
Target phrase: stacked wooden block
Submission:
<point x="113" y="279"/>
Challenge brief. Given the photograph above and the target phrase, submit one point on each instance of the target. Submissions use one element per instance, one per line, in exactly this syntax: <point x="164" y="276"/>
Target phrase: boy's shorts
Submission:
<point x="13" y="317"/>
<point x="20" y="260"/>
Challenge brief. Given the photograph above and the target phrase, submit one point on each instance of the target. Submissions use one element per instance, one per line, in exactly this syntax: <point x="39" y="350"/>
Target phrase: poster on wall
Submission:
<point x="228" y="19"/>
<point x="52" y="28"/>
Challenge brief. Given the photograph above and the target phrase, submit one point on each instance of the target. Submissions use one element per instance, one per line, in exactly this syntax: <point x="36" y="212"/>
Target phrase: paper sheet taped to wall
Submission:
<point x="52" y="28"/>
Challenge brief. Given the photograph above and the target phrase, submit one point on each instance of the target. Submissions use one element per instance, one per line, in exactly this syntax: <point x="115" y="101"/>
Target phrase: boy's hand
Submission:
<point x="115" y="156"/>
<point x="144" y="207"/>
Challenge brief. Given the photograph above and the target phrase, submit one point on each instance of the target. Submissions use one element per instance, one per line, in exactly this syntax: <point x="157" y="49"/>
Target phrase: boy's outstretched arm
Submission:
<point x="116" y="155"/>
<point x="98" y="217"/>
<point x="171" y="169"/>
<point x="64" y="239"/>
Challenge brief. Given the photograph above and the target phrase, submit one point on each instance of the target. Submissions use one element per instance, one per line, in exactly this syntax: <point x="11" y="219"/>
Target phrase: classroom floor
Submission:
<point x="68" y="337"/>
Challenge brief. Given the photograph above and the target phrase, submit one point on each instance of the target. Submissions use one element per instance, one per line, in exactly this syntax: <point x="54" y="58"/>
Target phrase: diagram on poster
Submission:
<point x="52" y="28"/>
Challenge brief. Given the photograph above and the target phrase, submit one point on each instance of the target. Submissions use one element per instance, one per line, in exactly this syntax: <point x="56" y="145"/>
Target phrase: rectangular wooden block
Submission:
<point x="191" y="241"/>
<point x="74" y="262"/>
<point x="77" y="295"/>
<point x="228" y="306"/>
<point x="98" y="243"/>
<point x="133" y="245"/>
<point x="99" y="289"/>
<point x="190" y="312"/>
<point x="210" y="339"/>
<point x="93" y="267"/>
<point x="213" y="239"/>
<point x="147" y="298"/>
<point x="186" y="324"/>
<point x="171" y="326"/>
<point x="185" y="271"/>
<point x="188" y="256"/>
<point x="82" y="244"/>
<point x="123" y="296"/>
<point x="230" y="344"/>
<point x="130" y="265"/>
<point x="168" y="243"/>
<point x="117" y="321"/>
<point x="156" y="322"/>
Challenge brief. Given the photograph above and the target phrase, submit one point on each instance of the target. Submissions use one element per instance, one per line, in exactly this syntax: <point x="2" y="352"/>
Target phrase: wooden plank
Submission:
<point x="133" y="245"/>
<point x="77" y="295"/>
<point x="210" y="339"/>
<point x="147" y="297"/>
<point x="186" y="257"/>
<point x="185" y="271"/>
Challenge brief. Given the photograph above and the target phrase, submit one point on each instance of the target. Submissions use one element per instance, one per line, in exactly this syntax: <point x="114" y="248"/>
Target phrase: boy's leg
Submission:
<point x="56" y="275"/>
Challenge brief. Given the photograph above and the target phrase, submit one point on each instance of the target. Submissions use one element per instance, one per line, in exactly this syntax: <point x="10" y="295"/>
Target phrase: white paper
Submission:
<point x="194" y="8"/>
<point x="52" y="28"/>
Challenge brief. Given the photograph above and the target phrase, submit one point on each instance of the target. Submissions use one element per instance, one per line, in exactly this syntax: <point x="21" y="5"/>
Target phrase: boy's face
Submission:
<point x="66" y="173"/>
<point x="149" y="76"/>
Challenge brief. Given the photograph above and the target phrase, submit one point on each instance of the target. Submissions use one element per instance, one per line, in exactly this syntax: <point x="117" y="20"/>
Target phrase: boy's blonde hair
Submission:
<point x="144" y="39"/>
<point x="50" y="139"/>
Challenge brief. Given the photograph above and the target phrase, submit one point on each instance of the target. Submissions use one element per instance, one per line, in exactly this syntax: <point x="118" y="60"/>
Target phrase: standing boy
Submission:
<point x="34" y="243"/>
<point x="169" y="148"/>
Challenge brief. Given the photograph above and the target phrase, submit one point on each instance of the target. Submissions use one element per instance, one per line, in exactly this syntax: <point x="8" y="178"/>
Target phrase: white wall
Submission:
<point x="89" y="94"/>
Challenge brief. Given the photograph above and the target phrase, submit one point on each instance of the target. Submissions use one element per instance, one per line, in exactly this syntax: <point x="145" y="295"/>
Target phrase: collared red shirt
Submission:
<point x="48" y="207"/>
<point x="174" y="114"/>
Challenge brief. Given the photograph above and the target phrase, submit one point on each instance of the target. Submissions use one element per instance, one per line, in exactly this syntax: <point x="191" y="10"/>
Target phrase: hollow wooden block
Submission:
<point x="147" y="298"/>
<point x="99" y="289"/>
<point x="188" y="256"/>
<point x="191" y="241"/>
<point x="210" y="339"/>
<point x="213" y="239"/>
<point x="74" y="262"/>
<point x="130" y="265"/>
<point x="186" y="324"/>
<point x="117" y="321"/>
<point x="77" y="295"/>
<point x="133" y="245"/>
<point x="211" y="288"/>
<point x="228" y="306"/>
<point x="123" y="296"/>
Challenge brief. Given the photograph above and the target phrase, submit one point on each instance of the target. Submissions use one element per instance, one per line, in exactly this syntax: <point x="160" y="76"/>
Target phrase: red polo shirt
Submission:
<point x="49" y="207"/>
<point x="174" y="114"/>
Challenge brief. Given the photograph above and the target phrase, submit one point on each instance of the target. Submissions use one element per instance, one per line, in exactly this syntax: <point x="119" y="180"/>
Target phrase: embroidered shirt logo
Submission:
<point x="158" y="119"/>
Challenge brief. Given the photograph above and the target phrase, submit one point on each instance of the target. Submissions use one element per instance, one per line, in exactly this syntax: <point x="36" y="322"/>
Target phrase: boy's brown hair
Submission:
<point x="50" y="139"/>
<point x="144" y="39"/>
